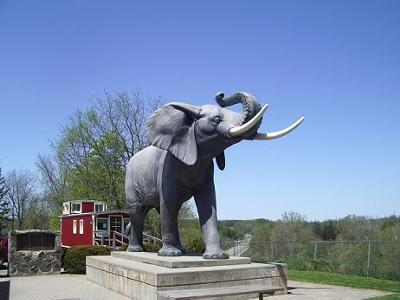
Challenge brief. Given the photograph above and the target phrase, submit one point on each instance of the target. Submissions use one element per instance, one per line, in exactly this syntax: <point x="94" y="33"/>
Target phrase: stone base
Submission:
<point x="140" y="275"/>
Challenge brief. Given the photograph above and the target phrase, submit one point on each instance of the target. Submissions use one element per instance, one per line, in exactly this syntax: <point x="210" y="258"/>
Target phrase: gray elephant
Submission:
<point x="179" y="164"/>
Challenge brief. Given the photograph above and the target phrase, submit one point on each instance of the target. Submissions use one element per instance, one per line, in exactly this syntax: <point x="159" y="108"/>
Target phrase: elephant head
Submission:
<point x="193" y="133"/>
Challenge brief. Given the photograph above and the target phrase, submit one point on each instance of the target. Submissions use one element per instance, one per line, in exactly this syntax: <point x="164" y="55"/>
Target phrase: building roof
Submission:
<point x="107" y="212"/>
<point x="84" y="200"/>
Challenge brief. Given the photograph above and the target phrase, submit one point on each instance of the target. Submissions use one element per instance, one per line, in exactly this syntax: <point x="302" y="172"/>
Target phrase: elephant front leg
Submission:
<point x="206" y="207"/>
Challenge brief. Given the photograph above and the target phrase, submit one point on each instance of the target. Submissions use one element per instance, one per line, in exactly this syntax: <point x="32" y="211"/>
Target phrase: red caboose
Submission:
<point x="87" y="222"/>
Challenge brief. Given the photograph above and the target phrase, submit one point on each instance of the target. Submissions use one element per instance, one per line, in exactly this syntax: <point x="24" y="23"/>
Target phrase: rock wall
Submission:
<point x="33" y="262"/>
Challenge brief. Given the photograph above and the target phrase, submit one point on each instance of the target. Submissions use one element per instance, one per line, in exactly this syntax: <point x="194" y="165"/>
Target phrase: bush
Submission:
<point x="196" y="246"/>
<point x="150" y="247"/>
<point x="74" y="260"/>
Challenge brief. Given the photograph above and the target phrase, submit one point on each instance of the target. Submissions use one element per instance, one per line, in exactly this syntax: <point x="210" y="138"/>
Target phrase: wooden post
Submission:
<point x="113" y="240"/>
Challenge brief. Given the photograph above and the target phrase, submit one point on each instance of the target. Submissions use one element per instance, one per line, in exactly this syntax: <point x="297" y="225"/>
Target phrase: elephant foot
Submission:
<point x="135" y="248"/>
<point x="215" y="254"/>
<point x="169" y="250"/>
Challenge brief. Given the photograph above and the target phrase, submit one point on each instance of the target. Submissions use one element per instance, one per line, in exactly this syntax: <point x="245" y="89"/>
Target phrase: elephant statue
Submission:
<point x="178" y="164"/>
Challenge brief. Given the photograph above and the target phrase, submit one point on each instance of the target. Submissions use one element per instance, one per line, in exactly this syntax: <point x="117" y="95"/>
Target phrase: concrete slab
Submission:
<point x="179" y="261"/>
<point x="142" y="280"/>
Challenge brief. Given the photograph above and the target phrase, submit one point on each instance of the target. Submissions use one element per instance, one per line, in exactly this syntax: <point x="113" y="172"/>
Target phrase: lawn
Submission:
<point x="346" y="280"/>
<point x="388" y="297"/>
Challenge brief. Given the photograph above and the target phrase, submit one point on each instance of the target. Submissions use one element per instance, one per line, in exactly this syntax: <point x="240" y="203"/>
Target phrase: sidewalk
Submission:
<point x="74" y="287"/>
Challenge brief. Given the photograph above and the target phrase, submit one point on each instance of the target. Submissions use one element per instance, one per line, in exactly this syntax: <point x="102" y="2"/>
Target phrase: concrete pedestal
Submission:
<point x="141" y="275"/>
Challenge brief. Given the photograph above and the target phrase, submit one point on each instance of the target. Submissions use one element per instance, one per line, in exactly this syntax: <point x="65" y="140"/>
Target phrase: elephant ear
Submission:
<point x="171" y="127"/>
<point x="220" y="159"/>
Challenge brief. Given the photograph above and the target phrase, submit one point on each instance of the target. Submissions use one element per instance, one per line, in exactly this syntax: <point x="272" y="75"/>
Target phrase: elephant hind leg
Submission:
<point x="137" y="222"/>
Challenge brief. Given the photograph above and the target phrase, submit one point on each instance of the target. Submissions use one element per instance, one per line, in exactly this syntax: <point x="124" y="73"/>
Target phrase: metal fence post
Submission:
<point x="272" y="251"/>
<point x="369" y="257"/>
<point x="315" y="249"/>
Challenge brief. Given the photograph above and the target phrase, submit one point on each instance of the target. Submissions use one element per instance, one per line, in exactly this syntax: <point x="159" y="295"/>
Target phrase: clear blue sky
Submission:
<point x="335" y="62"/>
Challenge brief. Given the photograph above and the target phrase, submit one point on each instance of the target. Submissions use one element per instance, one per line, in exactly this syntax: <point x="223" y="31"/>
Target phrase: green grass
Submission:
<point x="346" y="280"/>
<point x="388" y="297"/>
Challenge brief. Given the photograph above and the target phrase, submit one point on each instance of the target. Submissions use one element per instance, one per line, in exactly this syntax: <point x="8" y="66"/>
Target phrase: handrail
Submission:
<point x="114" y="237"/>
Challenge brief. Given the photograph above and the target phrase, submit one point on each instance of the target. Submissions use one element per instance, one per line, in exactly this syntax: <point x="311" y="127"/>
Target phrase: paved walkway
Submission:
<point x="74" y="287"/>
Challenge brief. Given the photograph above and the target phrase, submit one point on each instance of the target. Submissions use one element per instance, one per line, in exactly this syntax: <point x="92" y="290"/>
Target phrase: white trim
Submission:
<point x="76" y="211"/>
<point x="93" y="229"/>
<point x="99" y="203"/>
<point x="105" y="231"/>
<point x="74" y="226"/>
<point x="81" y="226"/>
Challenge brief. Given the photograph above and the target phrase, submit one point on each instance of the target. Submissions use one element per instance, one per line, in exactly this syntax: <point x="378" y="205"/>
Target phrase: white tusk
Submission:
<point x="278" y="134"/>
<point x="236" y="131"/>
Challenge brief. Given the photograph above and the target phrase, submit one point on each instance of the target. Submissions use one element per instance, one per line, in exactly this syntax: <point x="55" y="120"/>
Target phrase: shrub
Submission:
<point x="75" y="258"/>
<point x="196" y="246"/>
<point x="321" y="264"/>
<point x="150" y="247"/>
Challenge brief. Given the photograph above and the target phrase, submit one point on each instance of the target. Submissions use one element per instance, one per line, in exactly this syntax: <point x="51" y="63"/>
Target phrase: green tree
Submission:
<point x="93" y="148"/>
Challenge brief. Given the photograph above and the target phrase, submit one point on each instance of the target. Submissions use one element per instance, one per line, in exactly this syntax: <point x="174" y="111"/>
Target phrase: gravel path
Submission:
<point x="74" y="287"/>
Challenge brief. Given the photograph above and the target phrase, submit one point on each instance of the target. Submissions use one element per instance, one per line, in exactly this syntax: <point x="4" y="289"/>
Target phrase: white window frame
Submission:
<point x="76" y="211"/>
<point x="66" y="208"/>
<point x="102" y="205"/>
<point x="81" y="226"/>
<point x="74" y="225"/>
<point x="103" y="232"/>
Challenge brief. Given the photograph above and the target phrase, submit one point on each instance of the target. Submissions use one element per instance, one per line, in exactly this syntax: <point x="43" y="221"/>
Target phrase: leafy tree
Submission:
<point x="93" y="148"/>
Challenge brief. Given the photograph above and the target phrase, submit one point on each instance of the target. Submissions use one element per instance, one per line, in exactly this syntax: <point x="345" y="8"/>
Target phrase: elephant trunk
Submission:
<point x="250" y="104"/>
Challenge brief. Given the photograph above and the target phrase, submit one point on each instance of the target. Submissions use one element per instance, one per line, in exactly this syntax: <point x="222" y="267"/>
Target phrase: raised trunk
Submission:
<point x="250" y="105"/>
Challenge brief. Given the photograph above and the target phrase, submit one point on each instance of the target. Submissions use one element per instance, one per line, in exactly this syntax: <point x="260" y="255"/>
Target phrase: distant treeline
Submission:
<point x="293" y="227"/>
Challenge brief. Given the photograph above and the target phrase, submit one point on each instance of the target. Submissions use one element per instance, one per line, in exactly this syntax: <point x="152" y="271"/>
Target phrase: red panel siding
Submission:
<point x="70" y="239"/>
<point x="87" y="207"/>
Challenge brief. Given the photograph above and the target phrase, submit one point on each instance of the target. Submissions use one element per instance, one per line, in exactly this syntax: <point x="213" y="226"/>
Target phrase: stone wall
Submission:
<point x="35" y="261"/>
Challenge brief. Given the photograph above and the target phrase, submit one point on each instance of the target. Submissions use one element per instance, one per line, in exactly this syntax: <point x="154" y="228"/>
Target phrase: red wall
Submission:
<point x="87" y="207"/>
<point x="70" y="239"/>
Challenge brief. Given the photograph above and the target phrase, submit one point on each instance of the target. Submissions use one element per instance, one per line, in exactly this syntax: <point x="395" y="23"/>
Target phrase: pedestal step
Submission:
<point x="144" y="275"/>
<point x="219" y="292"/>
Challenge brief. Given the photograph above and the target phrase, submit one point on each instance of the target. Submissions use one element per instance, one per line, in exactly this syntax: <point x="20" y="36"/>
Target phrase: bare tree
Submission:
<point x="20" y="186"/>
<point x="94" y="147"/>
<point x="53" y="179"/>
<point x="4" y="205"/>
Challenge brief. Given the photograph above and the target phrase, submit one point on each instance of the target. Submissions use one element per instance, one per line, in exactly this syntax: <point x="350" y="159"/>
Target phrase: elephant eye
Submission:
<point x="217" y="120"/>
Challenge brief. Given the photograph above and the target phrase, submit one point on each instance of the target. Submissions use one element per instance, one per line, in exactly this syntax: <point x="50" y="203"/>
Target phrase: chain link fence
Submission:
<point x="380" y="259"/>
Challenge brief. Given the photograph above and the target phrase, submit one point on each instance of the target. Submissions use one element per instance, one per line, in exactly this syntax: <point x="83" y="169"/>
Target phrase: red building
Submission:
<point x="87" y="222"/>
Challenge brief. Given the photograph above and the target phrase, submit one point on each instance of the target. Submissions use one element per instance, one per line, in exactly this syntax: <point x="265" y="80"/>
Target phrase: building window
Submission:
<point x="102" y="224"/>
<point x="98" y="207"/>
<point x="76" y="207"/>
<point x="66" y="209"/>
<point x="80" y="226"/>
<point x="74" y="226"/>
